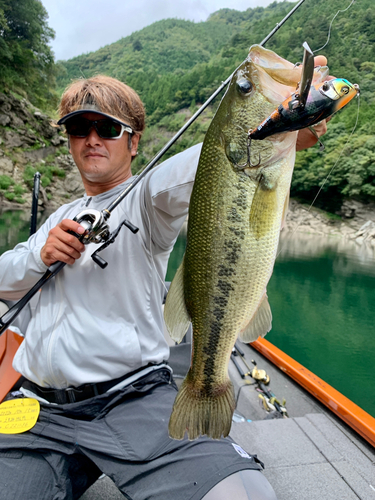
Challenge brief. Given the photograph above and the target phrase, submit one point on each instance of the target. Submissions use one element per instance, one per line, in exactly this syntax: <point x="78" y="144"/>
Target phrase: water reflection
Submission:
<point x="305" y="245"/>
<point x="15" y="227"/>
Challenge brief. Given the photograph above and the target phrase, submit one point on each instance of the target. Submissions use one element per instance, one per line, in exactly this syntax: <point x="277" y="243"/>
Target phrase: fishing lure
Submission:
<point x="323" y="100"/>
<point x="306" y="107"/>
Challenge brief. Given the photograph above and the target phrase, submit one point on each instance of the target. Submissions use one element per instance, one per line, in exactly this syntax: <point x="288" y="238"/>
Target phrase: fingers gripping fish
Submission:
<point x="236" y="213"/>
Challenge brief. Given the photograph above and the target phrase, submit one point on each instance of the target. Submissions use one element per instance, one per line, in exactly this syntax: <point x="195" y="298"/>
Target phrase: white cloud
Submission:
<point x="86" y="25"/>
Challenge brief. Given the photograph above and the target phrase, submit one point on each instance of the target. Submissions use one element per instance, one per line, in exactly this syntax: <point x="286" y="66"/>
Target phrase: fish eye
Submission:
<point x="345" y="90"/>
<point x="244" y="85"/>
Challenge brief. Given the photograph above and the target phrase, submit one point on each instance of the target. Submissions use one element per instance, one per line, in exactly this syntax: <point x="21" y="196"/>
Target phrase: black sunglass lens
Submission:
<point x="78" y="127"/>
<point x="108" y="129"/>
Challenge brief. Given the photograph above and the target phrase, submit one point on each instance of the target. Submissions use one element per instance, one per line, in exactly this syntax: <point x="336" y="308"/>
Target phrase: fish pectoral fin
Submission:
<point x="176" y="317"/>
<point x="260" y="323"/>
<point x="285" y="211"/>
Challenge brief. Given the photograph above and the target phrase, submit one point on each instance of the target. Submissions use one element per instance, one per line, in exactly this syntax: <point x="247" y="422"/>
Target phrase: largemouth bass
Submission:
<point x="236" y="213"/>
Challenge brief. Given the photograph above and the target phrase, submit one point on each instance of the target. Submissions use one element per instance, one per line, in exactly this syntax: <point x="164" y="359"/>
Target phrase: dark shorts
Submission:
<point x="123" y="435"/>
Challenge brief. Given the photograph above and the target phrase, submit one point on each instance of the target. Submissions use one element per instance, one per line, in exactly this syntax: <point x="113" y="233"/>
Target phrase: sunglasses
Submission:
<point x="105" y="128"/>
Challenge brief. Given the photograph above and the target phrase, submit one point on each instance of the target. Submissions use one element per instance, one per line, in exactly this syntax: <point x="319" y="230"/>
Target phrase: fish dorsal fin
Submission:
<point x="176" y="317"/>
<point x="260" y="323"/>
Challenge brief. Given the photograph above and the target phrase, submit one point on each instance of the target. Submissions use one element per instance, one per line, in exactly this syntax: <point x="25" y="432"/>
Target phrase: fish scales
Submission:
<point x="235" y="216"/>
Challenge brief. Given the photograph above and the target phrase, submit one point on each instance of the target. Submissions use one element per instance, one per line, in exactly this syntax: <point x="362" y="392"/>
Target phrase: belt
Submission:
<point x="77" y="394"/>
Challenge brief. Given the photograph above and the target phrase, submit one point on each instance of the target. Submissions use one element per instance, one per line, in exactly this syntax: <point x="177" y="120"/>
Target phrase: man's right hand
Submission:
<point x="61" y="245"/>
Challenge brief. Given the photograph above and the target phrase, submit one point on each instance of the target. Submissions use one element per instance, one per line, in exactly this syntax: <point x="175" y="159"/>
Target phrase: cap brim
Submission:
<point x="82" y="111"/>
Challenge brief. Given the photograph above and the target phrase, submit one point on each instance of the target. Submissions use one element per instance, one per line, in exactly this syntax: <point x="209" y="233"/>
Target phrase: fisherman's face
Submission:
<point x="103" y="163"/>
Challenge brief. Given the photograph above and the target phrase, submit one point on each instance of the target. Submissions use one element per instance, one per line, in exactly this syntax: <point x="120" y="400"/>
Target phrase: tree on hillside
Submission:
<point x="26" y="60"/>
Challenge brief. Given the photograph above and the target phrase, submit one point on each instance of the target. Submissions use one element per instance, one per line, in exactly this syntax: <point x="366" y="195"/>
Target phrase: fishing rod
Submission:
<point x="261" y="380"/>
<point x="34" y="204"/>
<point x="33" y="222"/>
<point x="94" y="222"/>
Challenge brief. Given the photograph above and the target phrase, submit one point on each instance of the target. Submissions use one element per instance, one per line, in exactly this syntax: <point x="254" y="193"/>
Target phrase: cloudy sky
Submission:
<point x="86" y="25"/>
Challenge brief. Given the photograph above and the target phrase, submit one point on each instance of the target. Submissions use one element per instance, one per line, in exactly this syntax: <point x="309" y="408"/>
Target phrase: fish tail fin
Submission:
<point x="200" y="414"/>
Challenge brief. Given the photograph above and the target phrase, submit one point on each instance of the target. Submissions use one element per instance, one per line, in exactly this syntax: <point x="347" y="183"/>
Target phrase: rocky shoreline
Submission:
<point x="356" y="221"/>
<point x="30" y="142"/>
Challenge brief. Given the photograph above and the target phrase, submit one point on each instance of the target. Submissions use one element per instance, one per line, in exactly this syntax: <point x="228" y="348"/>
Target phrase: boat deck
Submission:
<point x="311" y="455"/>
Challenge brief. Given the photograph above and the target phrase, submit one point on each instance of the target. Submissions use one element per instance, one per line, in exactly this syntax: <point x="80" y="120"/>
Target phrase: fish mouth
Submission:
<point x="276" y="77"/>
<point x="281" y="70"/>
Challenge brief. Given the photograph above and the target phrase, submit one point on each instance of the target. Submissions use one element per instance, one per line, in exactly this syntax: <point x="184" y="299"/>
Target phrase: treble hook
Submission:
<point x="249" y="162"/>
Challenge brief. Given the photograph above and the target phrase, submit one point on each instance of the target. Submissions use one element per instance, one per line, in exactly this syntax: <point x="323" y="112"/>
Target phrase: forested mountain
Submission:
<point x="27" y="64"/>
<point x="175" y="65"/>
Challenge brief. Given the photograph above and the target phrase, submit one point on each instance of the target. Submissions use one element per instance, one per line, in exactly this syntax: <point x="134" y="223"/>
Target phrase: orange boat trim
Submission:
<point x="353" y="415"/>
<point x="9" y="343"/>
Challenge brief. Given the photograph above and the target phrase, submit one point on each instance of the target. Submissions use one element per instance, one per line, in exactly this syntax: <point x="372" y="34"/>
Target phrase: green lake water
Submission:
<point x="322" y="299"/>
<point x="322" y="296"/>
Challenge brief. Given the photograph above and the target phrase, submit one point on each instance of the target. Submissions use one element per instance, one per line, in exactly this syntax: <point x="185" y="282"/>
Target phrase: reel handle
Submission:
<point x="98" y="260"/>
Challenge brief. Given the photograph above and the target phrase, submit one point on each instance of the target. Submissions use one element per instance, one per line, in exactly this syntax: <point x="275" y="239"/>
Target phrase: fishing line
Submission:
<point x="330" y="26"/>
<point x="328" y="175"/>
<point x="334" y="166"/>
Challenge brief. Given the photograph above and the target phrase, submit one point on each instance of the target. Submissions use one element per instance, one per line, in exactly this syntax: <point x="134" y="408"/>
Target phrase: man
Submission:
<point x="94" y="353"/>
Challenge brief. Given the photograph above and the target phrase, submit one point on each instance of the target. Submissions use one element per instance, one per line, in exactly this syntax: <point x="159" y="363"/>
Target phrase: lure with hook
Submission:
<point x="308" y="105"/>
<point x="323" y="101"/>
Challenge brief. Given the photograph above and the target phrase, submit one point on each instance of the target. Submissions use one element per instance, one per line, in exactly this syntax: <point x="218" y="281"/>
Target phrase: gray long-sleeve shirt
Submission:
<point x="92" y="325"/>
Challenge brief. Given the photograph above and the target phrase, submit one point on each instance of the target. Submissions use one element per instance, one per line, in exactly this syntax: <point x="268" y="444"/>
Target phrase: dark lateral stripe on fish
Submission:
<point x="221" y="301"/>
<point x="233" y="250"/>
<point x="226" y="271"/>
<point x="242" y="199"/>
<point x="234" y="216"/>
<point x="211" y="348"/>
<point x="224" y="287"/>
<point x="237" y="232"/>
